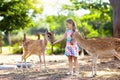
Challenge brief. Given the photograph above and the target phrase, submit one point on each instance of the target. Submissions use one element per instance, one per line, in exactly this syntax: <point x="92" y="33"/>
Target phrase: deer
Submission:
<point x="98" y="48"/>
<point x="36" y="47"/>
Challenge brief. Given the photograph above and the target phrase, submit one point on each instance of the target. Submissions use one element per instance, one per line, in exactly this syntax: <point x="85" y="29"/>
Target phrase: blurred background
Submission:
<point x="93" y="19"/>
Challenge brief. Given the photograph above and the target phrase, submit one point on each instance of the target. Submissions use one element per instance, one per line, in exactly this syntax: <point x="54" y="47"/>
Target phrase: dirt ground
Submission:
<point x="57" y="66"/>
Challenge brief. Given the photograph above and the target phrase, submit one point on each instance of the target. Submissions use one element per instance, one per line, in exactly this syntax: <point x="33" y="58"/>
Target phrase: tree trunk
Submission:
<point x="52" y="49"/>
<point x="116" y="17"/>
<point x="0" y="42"/>
<point x="7" y="38"/>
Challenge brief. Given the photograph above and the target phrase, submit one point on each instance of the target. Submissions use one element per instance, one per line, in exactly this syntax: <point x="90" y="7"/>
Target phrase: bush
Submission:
<point x="58" y="48"/>
<point x="17" y="49"/>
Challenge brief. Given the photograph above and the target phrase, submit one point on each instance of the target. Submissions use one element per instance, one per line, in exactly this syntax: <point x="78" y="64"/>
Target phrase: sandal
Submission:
<point x="76" y="73"/>
<point x="70" y="73"/>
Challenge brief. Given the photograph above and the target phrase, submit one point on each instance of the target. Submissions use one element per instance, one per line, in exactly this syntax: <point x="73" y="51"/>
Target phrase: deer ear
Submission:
<point x="52" y="32"/>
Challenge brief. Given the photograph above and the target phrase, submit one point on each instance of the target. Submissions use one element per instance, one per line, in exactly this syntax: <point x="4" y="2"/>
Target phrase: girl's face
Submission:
<point x="69" y="26"/>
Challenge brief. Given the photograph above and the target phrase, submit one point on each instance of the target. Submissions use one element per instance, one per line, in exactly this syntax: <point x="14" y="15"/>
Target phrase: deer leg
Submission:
<point x="24" y="57"/>
<point x="26" y="66"/>
<point x="23" y="60"/>
<point x="82" y="53"/>
<point x="117" y="55"/>
<point x="40" y="61"/>
<point x="94" y="62"/>
<point x="92" y="68"/>
<point x="44" y="61"/>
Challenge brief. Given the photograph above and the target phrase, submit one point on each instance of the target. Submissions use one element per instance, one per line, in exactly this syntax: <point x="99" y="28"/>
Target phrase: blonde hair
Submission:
<point x="70" y="21"/>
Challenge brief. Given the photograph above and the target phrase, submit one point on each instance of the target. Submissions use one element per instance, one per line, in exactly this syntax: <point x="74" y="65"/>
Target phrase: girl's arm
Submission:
<point x="64" y="37"/>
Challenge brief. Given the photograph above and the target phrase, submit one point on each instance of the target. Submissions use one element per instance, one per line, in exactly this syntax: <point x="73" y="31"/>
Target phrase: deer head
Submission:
<point x="49" y="36"/>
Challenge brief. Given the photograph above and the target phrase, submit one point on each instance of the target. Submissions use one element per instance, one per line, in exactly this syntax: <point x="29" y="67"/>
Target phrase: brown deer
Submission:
<point x="98" y="48"/>
<point x="37" y="47"/>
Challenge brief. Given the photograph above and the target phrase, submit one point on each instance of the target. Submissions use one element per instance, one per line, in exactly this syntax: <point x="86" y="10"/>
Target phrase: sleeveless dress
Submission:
<point x="71" y="50"/>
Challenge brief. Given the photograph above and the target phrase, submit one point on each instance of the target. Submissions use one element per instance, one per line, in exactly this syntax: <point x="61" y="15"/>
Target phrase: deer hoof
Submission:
<point x="92" y="76"/>
<point x="47" y="71"/>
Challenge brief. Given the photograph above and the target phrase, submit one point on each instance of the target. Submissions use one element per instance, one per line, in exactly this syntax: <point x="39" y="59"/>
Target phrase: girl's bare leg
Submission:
<point x="76" y="65"/>
<point x="70" y="64"/>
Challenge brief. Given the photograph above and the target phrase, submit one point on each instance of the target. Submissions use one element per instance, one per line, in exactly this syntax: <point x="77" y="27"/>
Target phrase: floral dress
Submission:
<point x="71" y="50"/>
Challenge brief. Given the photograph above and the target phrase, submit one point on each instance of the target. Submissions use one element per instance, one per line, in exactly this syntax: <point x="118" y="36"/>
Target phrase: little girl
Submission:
<point x="71" y="49"/>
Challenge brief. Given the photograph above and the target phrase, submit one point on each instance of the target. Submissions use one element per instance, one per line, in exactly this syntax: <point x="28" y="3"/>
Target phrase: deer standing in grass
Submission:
<point x="98" y="47"/>
<point x="37" y="47"/>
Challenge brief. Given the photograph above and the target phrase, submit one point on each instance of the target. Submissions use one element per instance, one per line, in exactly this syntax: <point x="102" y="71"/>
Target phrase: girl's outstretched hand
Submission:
<point x="53" y="43"/>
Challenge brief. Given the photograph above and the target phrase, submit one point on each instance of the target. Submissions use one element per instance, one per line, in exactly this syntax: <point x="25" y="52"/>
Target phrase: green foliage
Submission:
<point x="16" y="37"/>
<point x="98" y="23"/>
<point x="36" y="30"/>
<point x="16" y="42"/>
<point x="15" y="14"/>
<point x="59" y="48"/>
<point x="17" y="49"/>
<point x="56" y="23"/>
<point x="90" y="31"/>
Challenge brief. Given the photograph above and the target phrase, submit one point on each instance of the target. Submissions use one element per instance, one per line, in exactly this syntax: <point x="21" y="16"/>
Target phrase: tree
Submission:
<point x="56" y="23"/>
<point x="116" y="17"/>
<point x="15" y="15"/>
<point x="98" y="23"/>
